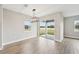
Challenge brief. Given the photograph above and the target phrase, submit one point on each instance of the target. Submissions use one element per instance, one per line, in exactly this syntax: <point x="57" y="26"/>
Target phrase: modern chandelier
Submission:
<point x="34" y="17"/>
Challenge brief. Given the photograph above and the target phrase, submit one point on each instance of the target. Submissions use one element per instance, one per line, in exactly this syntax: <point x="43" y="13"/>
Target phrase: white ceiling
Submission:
<point x="44" y="9"/>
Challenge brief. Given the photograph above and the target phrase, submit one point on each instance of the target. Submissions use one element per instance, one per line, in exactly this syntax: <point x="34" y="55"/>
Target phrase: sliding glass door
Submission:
<point x="50" y="29"/>
<point x="47" y="29"/>
<point x="42" y="28"/>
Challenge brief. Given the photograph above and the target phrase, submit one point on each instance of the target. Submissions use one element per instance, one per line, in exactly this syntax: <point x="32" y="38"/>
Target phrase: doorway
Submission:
<point x="47" y="29"/>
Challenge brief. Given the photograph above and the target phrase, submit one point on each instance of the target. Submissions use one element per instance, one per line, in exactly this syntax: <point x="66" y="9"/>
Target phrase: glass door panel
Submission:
<point x="42" y="28"/>
<point x="47" y="29"/>
<point x="50" y="29"/>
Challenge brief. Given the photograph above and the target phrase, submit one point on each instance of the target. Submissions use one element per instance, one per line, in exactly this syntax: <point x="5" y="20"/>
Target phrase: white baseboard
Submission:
<point x="59" y="40"/>
<point x="72" y="37"/>
<point x="17" y="40"/>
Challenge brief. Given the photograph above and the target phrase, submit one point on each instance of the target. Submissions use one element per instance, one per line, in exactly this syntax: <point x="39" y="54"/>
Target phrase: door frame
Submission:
<point x="38" y="29"/>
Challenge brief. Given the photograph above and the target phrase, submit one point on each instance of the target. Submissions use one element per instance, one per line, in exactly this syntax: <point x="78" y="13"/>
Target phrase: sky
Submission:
<point x="49" y="23"/>
<point x="41" y="23"/>
<point x="77" y="21"/>
<point x="27" y="23"/>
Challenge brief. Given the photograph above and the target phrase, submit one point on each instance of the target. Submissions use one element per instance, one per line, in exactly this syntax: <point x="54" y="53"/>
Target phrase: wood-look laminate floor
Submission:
<point x="42" y="46"/>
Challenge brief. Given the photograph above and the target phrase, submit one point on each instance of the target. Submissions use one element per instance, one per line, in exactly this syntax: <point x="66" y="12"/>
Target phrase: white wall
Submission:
<point x="13" y="27"/>
<point x="69" y="27"/>
<point x="0" y="26"/>
<point x="58" y="17"/>
<point x="59" y="29"/>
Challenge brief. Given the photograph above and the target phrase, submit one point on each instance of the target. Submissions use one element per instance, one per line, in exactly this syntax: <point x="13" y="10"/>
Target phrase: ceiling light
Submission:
<point x="34" y="17"/>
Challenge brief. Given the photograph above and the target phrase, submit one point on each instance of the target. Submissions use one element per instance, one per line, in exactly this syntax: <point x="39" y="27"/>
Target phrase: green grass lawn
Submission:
<point x="50" y="31"/>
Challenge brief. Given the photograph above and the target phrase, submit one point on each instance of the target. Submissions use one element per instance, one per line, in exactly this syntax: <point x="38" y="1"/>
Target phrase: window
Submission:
<point x="76" y="25"/>
<point x="27" y="25"/>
